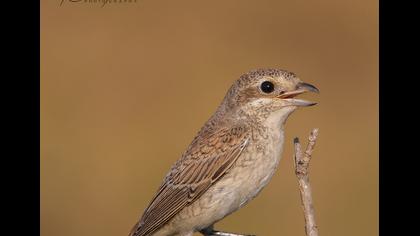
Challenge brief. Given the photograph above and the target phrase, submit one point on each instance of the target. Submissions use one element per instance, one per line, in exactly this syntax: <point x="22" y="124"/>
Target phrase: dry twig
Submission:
<point x="301" y="169"/>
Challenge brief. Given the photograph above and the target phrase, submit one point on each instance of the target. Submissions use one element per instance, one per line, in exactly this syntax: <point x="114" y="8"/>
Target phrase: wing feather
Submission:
<point x="207" y="159"/>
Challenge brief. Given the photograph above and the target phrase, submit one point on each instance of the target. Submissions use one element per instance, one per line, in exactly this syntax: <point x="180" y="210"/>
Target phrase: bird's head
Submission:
<point x="266" y="92"/>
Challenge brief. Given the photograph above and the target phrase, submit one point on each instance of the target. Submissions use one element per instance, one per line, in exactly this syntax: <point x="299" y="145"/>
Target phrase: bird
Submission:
<point x="230" y="160"/>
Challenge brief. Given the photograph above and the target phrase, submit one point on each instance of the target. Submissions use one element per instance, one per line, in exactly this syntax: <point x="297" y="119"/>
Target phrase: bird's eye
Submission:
<point x="267" y="87"/>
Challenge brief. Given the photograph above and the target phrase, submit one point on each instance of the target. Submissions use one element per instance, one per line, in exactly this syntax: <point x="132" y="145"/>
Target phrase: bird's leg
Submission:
<point x="209" y="231"/>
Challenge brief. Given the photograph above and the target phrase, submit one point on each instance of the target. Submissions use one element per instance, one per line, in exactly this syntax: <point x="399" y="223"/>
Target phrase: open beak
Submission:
<point x="300" y="88"/>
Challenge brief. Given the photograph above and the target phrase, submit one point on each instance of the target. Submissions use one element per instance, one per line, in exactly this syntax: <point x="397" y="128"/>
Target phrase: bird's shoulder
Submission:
<point x="216" y="140"/>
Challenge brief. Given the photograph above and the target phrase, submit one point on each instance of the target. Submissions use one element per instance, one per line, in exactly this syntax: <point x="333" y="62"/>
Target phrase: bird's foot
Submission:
<point x="211" y="232"/>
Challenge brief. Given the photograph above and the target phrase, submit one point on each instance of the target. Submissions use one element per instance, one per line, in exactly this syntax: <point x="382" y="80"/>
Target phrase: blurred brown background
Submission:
<point x="125" y="87"/>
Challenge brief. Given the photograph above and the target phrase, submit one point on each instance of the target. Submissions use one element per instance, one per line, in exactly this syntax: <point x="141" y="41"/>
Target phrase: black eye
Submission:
<point x="267" y="87"/>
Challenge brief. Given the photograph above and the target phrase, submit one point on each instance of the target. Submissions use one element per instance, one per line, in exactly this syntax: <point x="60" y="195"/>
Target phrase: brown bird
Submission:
<point x="231" y="159"/>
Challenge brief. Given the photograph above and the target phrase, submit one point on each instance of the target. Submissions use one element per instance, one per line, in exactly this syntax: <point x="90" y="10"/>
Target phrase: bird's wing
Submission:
<point x="208" y="158"/>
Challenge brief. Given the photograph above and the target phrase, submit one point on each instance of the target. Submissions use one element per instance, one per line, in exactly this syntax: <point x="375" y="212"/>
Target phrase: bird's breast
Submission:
<point x="257" y="164"/>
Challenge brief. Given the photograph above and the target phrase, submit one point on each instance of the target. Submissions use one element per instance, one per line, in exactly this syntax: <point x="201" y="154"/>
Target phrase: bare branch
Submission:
<point x="302" y="173"/>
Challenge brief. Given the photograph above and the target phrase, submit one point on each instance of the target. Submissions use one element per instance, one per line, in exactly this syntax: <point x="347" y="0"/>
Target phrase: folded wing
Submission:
<point x="207" y="159"/>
